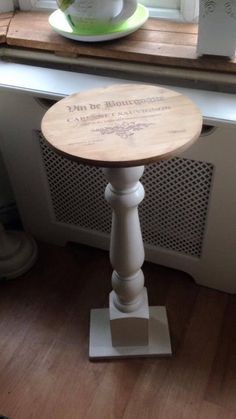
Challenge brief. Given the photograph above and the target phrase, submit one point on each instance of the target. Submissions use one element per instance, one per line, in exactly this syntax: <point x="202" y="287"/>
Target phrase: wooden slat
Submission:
<point x="5" y="19"/>
<point x="165" y="37"/>
<point x="222" y="380"/>
<point x="167" y="26"/>
<point x="157" y="42"/>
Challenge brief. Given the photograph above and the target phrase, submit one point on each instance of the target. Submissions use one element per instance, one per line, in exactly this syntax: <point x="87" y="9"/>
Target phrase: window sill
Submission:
<point x="159" y="46"/>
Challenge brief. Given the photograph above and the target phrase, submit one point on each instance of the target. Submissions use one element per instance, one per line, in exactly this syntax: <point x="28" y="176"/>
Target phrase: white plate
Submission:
<point x="59" y="23"/>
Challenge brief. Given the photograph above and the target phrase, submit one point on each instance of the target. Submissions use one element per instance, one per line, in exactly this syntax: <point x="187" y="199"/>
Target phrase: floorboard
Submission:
<point x="44" y="325"/>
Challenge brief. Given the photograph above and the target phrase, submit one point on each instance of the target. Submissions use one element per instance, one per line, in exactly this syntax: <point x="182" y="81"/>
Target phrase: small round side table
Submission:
<point x="121" y="128"/>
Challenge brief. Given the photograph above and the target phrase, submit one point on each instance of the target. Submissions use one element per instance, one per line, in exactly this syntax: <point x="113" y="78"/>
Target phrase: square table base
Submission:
<point x="100" y="345"/>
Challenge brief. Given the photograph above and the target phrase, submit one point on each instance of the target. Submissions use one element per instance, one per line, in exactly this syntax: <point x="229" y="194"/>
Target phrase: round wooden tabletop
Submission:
<point x="122" y="125"/>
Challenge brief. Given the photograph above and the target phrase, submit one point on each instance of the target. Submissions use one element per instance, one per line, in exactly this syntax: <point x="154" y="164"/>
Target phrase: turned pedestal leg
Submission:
<point x="129" y="327"/>
<point x="128" y="303"/>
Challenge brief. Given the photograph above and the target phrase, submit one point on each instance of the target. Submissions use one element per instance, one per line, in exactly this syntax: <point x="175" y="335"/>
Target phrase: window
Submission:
<point x="182" y="10"/>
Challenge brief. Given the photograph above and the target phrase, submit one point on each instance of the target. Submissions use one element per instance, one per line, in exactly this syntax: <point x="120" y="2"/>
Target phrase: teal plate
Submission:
<point x="60" y="24"/>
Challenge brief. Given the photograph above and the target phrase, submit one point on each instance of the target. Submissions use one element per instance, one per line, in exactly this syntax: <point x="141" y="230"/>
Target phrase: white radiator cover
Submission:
<point x="188" y="215"/>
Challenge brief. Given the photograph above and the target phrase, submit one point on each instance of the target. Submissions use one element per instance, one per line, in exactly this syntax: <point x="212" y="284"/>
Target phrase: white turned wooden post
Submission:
<point x="124" y="193"/>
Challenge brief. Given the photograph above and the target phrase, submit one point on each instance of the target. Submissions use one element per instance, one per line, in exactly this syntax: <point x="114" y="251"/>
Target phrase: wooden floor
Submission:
<point x="44" y="368"/>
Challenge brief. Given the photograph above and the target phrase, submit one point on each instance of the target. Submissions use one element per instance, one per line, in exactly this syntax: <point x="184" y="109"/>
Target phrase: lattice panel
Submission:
<point x="77" y="192"/>
<point x="173" y="213"/>
<point x="176" y="203"/>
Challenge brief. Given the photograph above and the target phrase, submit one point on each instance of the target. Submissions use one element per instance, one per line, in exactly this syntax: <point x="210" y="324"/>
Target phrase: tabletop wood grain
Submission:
<point x="122" y="125"/>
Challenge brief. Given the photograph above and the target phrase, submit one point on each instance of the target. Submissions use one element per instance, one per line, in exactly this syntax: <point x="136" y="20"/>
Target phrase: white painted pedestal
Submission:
<point x="128" y="327"/>
<point x="121" y="128"/>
